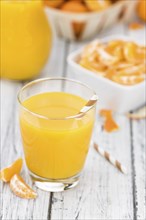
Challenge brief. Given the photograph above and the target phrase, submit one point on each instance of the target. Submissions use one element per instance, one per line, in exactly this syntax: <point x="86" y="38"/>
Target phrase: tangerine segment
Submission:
<point x="93" y="66"/>
<point x="115" y="48"/>
<point x="7" y="173"/>
<point x="106" y="58"/>
<point x="21" y="189"/>
<point x="133" y="53"/>
<point x="120" y="61"/>
<point x="109" y="125"/>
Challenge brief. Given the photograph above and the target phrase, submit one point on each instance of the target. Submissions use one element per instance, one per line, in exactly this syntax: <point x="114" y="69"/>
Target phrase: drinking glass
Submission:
<point x="55" y="147"/>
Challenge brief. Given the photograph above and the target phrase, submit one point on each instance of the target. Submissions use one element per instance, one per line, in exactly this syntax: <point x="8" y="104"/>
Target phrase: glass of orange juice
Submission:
<point x="55" y="140"/>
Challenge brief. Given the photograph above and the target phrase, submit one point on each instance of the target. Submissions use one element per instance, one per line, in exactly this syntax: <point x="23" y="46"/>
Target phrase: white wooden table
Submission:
<point x="103" y="193"/>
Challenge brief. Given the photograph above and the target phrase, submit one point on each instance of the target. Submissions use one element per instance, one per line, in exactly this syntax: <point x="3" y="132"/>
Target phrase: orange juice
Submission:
<point x="55" y="146"/>
<point x="25" y="38"/>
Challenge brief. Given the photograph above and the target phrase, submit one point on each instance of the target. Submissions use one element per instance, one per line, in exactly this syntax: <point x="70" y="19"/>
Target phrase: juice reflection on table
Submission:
<point x="25" y="38"/>
<point x="55" y="149"/>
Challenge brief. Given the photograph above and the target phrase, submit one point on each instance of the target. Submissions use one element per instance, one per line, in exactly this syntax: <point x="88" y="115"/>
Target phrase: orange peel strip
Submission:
<point x="109" y="124"/>
<point x="21" y="189"/>
<point x="7" y="173"/>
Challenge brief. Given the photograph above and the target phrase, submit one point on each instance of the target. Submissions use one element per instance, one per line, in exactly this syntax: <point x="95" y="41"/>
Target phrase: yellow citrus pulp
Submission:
<point x="21" y="189"/>
<point x="7" y="173"/>
<point x="55" y="149"/>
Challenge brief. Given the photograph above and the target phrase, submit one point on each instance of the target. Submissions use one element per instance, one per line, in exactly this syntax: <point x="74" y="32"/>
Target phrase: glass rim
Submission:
<point x="49" y="79"/>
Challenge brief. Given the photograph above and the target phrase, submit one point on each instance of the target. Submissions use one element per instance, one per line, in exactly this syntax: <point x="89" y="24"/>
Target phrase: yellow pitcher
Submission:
<point x="25" y="38"/>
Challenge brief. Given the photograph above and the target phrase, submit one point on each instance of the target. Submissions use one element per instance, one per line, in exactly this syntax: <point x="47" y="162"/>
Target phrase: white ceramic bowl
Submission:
<point x="112" y="95"/>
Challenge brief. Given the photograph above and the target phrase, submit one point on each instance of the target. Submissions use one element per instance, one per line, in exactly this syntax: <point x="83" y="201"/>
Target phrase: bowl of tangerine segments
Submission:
<point x="115" y="67"/>
<point x="82" y="19"/>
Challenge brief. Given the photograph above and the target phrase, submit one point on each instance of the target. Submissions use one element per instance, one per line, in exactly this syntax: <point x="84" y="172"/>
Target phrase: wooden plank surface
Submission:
<point x="99" y="195"/>
<point x="103" y="192"/>
<point x="138" y="131"/>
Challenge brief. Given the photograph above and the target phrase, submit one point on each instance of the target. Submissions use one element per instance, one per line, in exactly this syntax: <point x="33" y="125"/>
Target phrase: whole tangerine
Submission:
<point x="53" y="3"/>
<point x="141" y="9"/>
<point x="74" y="6"/>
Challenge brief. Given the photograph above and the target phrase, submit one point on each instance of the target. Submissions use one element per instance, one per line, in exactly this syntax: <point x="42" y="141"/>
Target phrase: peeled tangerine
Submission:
<point x="97" y="5"/>
<point x="21" y="189"/>
<point x="109" y="124"/>
<point x="7" y="173"/>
